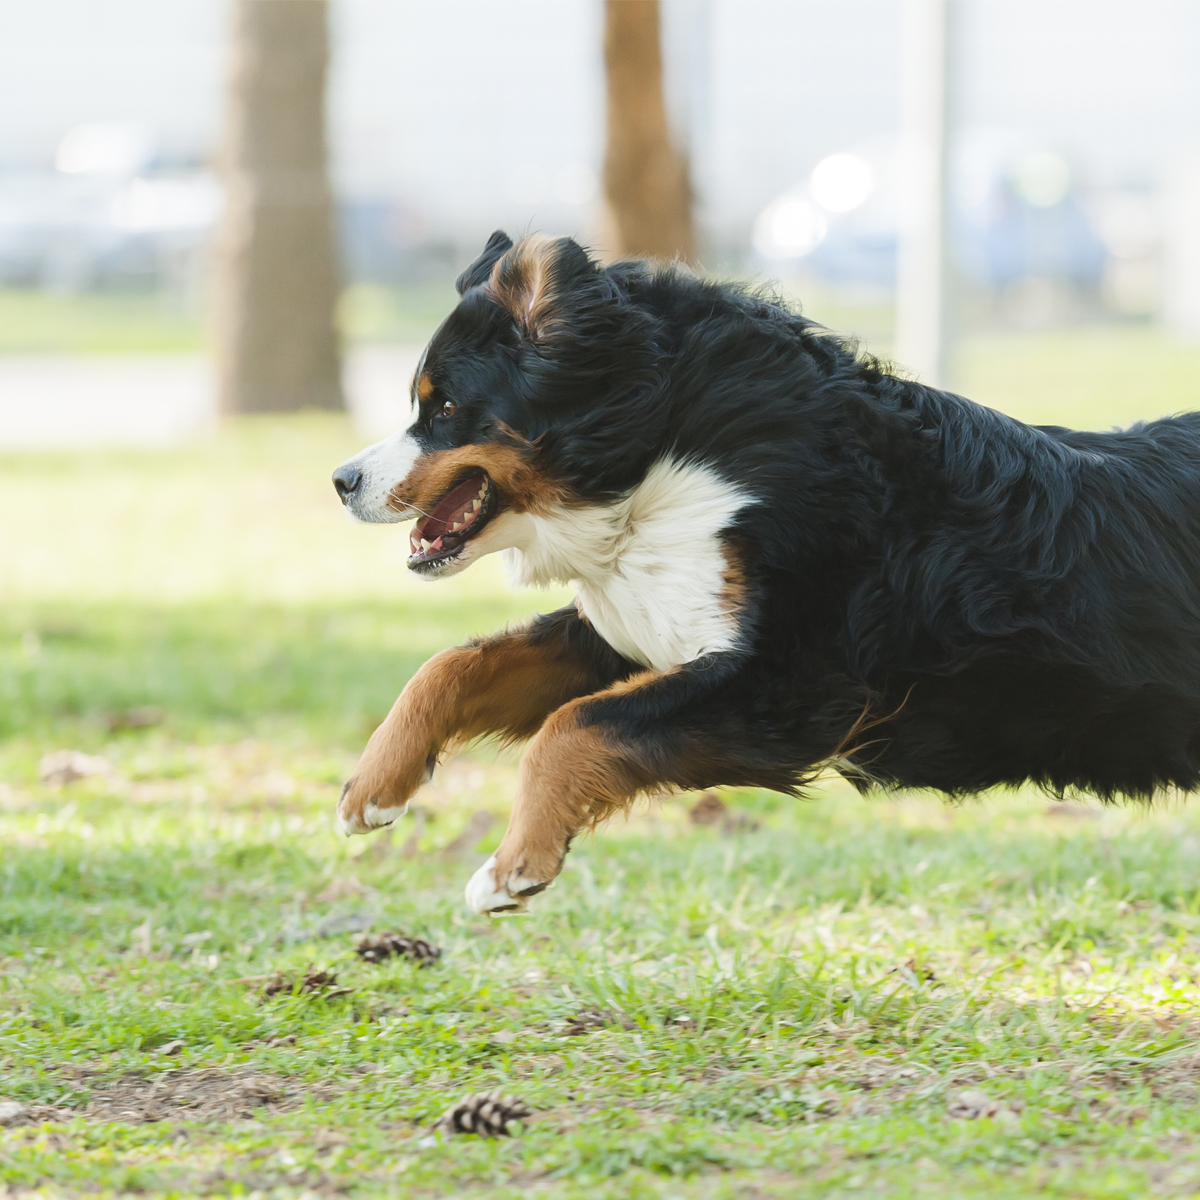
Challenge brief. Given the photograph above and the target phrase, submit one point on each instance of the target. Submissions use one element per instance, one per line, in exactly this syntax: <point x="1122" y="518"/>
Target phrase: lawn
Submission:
<point x="836" y="997"/>
<point x="34" y="321"/>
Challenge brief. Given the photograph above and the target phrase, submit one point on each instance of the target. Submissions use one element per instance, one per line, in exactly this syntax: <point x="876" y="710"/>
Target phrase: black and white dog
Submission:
<point x="785" y="556"/>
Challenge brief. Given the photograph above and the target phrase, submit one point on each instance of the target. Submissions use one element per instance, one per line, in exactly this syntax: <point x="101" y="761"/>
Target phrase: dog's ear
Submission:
<point x="481" y="268"/>
<point x="573" y="261"/>
<point x="533" y="280"/>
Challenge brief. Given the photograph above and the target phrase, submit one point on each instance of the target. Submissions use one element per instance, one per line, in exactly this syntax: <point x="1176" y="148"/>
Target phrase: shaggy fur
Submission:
<point x="922" y="591"/>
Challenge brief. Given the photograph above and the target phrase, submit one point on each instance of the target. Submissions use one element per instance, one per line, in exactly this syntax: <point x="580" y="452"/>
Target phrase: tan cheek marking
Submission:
<point x="523" y="487"/>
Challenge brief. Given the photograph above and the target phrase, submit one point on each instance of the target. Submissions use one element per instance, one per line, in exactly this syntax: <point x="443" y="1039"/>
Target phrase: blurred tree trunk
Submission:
<point x="276" y="278"/>
<point x="645" y="177"/>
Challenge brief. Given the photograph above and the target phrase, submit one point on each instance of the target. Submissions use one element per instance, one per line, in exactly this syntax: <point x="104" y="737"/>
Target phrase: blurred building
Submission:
<point x="452" y="117"/>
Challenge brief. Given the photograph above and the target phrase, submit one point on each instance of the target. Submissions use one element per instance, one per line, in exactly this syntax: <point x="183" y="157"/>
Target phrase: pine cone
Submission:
<point x="313" y="980"/>
<point x="485" y="1113"/>
<point x="375" y="948"/>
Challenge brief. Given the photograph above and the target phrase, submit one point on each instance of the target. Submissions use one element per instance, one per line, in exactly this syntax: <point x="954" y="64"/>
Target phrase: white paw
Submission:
<point x="482" y="893"/>
<point x="372" y="817"/>
<point x="485" y="895"/>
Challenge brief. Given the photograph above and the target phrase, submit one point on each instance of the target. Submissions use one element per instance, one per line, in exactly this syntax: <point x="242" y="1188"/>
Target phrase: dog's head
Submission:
<point x="532" y="395"/>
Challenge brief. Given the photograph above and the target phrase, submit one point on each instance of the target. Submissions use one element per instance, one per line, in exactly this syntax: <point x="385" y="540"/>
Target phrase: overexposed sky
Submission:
<point x="481" y="112"/>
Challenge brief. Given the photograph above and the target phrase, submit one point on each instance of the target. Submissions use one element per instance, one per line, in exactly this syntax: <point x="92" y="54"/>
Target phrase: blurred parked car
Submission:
<point x="1018" y="211"/>
<point x="114" y="213"/>
<point x="110" y="214"/>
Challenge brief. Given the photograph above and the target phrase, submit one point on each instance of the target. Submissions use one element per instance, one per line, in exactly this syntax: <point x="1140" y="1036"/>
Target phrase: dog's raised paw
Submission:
<point x="354" y="818"/>
<point x="485" y="895"/>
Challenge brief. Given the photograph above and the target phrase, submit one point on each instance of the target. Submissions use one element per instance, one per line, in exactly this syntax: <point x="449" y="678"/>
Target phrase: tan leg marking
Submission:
<point x="505" y="685"/>
<point x="572" y="776"/>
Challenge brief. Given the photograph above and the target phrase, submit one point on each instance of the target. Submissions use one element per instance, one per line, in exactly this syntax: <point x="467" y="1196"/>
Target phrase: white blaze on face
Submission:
<point x="383" y="466"/>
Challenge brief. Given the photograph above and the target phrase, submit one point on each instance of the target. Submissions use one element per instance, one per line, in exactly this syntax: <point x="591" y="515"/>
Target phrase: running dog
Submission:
<point x="786" y="556"/>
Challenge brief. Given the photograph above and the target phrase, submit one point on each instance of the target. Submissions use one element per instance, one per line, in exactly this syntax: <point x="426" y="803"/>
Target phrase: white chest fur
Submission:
<point x="649" y="569"/>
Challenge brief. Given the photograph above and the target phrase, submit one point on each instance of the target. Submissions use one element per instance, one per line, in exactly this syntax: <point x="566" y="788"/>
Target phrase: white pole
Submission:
<point x="921" y="267"/>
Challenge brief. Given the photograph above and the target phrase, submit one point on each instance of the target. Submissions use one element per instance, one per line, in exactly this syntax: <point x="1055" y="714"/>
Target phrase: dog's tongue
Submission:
<point x="452" y="507"/>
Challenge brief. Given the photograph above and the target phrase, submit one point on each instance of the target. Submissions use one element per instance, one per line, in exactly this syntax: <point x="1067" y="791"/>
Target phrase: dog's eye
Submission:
<point x="447" y="409"/>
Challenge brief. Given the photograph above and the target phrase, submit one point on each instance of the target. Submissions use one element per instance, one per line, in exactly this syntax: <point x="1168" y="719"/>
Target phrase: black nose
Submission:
<point x="345" y="479"/>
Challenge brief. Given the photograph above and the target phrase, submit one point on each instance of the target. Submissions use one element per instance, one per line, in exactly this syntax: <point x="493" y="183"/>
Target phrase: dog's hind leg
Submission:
<point x="506" y="684"/>
<point x="596" y="754"/>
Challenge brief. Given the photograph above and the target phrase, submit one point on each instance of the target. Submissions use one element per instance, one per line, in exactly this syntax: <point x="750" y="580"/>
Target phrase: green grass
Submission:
<point x="792" y="1010"/>
<point x="373" y="312"/>
<point x="33" y="321"/>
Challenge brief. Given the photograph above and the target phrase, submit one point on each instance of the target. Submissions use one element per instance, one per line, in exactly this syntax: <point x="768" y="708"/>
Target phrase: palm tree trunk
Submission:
<point x="276" y="278"/>
<point x="645" y="177"/>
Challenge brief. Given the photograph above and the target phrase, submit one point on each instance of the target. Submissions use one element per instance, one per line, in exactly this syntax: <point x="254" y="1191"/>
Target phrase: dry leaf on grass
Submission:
<point x="144" y="716"/>
<point x="708" y="810"/>
<point x="1066" y="808"/>
<point x="592" y="1019"/>
<point x="924" y="973"/>
<point x="12" y="1113"/>
<point x="711" y="810"/>
<point x="66" y="766"/>
<point x="971" y="1104"/>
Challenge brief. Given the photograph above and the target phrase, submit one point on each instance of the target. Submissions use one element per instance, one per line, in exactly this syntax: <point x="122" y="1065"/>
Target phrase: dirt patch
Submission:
<point x="210" y="1094"/>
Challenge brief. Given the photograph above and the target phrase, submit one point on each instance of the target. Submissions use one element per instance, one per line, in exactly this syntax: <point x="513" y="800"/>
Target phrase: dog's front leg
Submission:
<point x="506" y="684"/>
<point x="592" y="758"/>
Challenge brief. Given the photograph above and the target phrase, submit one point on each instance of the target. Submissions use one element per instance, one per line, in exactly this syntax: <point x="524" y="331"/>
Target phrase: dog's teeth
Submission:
<point x="455" y="527"/>
<point x="476" y="505"/>
<point x="425" y="546"/>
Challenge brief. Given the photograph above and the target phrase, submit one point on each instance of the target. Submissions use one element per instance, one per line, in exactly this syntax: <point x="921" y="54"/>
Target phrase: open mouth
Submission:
<point x="459" y="515"/>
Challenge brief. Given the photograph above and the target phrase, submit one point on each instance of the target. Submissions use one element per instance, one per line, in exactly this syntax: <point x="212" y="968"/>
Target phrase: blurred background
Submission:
<point x="234" y="196"/>
<point x="227" y="227"/>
